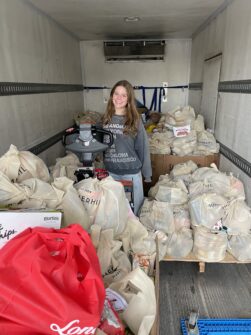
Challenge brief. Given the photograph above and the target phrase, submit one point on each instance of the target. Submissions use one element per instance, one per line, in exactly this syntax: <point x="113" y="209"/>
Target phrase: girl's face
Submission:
<point x="120" y="98"/>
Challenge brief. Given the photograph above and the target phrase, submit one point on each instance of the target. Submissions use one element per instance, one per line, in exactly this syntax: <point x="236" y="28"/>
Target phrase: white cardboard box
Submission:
<point x="13" y="222"/>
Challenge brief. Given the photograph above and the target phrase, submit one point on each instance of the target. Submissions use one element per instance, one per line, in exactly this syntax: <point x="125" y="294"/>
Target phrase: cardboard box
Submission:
<point x="163" y="164"/>
<point x="13" y="222"/>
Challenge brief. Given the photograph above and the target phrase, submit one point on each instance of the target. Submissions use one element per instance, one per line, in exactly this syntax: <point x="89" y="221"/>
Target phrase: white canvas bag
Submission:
<point x="113" y="209"/>
<point x="90" y="192"/>
<point x="41" y="194"/>
<point x="157" y="215"/>
<point x="207" y="209"/>
<point x="114" y="262"/>
<point x="237" y="218"/>
<point x="139" y="292"/>
<point x="11" y="193"/>
<point x="135" y="238"/>
<point x="21" y="165"/>
<point x="209" y="246"/>
<point x="180" y="243"/>
<point x="236" y="188"/>
<point x="181" y="217"/>
<point x="182" y="146"/>
<point x="199" y="124"/>
<point x="159" y="143"/>
<point x="240" y="247"/>
<point x="105" y="201"/>
<point x="31" y="193"/>
<point x="73" y="208"/>
<point x="213" y="180"/>
<point x="66" y="166"/>
<point x="183" y="169"/>
<point x="207" y="142"/>
<point x="173" y="192"/>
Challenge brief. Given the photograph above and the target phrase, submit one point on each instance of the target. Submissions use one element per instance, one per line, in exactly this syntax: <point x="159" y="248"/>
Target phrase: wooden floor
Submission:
<point x="222" y="291"/>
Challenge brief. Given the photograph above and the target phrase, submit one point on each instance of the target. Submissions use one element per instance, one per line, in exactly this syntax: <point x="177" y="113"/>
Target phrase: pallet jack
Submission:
<point x="86" y="141"/>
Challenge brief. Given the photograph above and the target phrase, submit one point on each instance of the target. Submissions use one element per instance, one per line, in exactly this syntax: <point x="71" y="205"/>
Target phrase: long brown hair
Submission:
<point x="131" y="116"/>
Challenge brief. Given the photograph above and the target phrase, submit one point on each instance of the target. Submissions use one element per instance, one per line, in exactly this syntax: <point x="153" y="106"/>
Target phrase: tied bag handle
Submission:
<point x="88" y="268"/>
<point x="108" y="189"/>
<point x="71" y="237"/>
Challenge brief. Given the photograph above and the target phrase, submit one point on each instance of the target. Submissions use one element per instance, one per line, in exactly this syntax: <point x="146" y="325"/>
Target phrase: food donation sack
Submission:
<point x="50" y="283"/>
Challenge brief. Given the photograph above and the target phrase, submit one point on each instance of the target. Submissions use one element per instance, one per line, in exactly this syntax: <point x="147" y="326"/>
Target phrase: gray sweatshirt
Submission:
<point x="128" y="154"/>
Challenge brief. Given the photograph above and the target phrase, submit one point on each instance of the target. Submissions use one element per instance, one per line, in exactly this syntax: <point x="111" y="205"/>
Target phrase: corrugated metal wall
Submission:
<point x="230" y="34"/>
<point x="35" y="49"/>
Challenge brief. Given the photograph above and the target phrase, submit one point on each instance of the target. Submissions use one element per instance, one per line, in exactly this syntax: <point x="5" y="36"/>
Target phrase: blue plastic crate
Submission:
<point x="220" y="326"/>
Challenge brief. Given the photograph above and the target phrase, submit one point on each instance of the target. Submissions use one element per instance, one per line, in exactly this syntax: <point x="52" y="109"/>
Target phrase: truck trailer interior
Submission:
<point x="59" y="57"/>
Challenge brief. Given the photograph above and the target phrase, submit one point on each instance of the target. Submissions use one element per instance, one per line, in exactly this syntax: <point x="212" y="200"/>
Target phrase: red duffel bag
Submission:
<point x="50" y="283"/>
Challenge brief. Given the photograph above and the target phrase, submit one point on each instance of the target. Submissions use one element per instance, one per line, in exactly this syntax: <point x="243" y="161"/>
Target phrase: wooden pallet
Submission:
<point x="202" y="265"/>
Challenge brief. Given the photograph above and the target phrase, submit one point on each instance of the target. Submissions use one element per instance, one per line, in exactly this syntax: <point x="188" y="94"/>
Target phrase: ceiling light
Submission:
<point x="131" y="19"/>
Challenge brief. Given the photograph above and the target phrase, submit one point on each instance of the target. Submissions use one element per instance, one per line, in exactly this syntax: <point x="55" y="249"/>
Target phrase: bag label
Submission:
<point x="181" y="131"/>
<point x="6" y="233"/>
<point x="71" y="328"/>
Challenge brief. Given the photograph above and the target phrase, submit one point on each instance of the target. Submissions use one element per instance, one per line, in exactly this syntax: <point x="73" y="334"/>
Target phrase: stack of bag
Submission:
<point x="201" y="210"/>
<point x="168" y="203"/>
<point x="220" y="216"/>
<point x="180" y="132"/>
<point x="125" y="250"/>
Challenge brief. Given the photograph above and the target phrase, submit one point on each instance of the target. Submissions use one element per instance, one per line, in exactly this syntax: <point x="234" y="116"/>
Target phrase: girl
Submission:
<point x="129" y="155"/>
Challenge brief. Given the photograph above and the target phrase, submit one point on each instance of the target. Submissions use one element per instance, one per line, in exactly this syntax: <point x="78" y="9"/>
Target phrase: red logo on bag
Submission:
<point x="72" y="330"/>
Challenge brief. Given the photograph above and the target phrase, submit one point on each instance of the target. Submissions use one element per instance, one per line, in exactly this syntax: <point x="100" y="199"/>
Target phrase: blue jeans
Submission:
<point x="138" y="192"/>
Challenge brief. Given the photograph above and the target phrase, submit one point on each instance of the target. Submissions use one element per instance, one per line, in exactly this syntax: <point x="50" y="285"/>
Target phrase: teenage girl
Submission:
<point x="129" y="157"/>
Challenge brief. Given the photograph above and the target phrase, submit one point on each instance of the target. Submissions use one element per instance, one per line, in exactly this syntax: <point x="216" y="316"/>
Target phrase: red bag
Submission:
<point x="110" y="321"/>
<point x="50" y="283"/>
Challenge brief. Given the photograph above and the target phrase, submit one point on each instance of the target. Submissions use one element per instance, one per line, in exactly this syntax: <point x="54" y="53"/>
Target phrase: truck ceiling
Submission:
<point x="128" y="19"/>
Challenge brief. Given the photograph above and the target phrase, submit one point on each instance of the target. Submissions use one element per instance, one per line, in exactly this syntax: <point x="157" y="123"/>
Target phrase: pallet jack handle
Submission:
<point x="191" y="324"/>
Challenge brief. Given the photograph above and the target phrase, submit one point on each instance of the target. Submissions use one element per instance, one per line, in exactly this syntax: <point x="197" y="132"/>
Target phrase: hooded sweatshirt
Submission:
<point x="129" y="154"/>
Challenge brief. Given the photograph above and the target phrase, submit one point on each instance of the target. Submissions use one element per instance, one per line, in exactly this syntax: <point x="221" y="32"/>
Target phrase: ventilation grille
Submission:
<point x="134" y="50"/>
